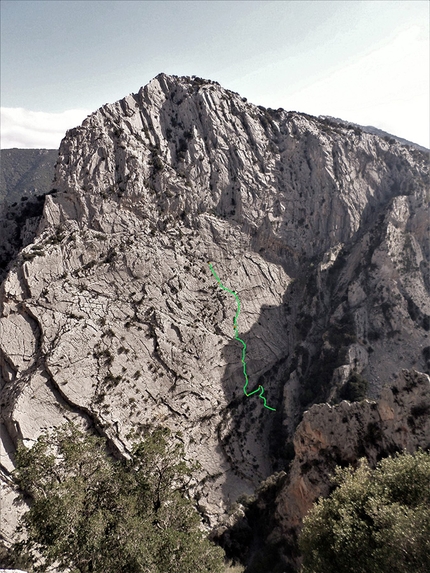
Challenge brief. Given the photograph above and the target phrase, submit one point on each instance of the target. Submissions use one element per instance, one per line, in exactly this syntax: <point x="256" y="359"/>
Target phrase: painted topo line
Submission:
<point x="260" y="389"/>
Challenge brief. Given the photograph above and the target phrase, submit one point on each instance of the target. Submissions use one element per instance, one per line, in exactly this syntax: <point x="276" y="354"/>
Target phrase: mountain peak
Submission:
<point x="111" y="316"/>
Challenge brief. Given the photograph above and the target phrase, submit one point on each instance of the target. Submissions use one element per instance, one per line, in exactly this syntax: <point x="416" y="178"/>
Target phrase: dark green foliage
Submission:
<point x="182" y="149"/>
<point x="157" y="163"/>
<point x="111" y="256"/>
<point x="198" y="82"/>
<point x="92" y="513"/>
<point x="375" y="521"/>
<point x="419" y="410"/>
<point x="416" y="315"/>
<point x="373" y="434"/>
<point x="342" y="333"/>
<point x="354" y="389"/>
<point x="57" y="237"/>
<point x="156" y="160"/>
<point x="10" y="560"/>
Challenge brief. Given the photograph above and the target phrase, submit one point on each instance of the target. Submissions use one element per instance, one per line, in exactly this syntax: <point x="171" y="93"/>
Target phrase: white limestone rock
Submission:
<point x="341" y="434"/>
<point x="112" y="315"/>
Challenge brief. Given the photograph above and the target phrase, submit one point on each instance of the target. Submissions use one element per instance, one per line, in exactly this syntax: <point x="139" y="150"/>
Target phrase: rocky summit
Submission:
<point x="112" y="318"/>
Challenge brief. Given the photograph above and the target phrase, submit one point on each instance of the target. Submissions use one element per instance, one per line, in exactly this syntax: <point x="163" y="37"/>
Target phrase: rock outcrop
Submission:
<point x="342" y="434"/>
<point x="112" y="317"/>
<point x="328" y="436"/>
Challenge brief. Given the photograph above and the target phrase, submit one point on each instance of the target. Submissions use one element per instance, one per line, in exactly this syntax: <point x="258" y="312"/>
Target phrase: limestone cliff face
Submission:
<point x="112" y="317"/>
<point x="339" y="435"/>
<point x="327" y="436"/>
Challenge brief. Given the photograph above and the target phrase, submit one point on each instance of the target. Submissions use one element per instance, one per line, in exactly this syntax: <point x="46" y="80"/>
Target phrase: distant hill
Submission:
<point x="375" y="131"/>
<point x="25" y="172"/>
<point x="25" y="177"/>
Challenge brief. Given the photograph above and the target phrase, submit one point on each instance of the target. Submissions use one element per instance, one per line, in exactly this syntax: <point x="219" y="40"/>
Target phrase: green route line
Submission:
<point x="260" y="389"/>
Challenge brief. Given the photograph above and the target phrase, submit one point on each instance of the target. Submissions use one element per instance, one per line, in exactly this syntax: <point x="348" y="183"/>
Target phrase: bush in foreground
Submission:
<point x="375" y="521"/>
<point x="90" y="513"/>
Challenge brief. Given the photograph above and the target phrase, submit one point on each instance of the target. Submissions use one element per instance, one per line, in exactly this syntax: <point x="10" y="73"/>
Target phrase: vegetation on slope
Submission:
<point x="25" y="172"/>
<point x="375" y="520"/>
<point x="92" y="513"/>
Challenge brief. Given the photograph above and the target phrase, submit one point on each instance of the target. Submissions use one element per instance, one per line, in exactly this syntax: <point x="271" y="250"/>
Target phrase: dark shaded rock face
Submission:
<point x="18" y="227"/>
<point x="112" y="316"/>
<point x="25" y="176"/>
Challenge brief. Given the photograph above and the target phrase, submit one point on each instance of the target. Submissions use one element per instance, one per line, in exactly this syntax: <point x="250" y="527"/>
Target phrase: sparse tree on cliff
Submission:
<point x="90" y="513"/>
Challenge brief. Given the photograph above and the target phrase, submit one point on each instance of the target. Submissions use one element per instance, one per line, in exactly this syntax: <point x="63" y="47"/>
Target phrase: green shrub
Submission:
<point x="376" y="521"/>
<point x="354" y="389"/>
<point x="93" y="513"/>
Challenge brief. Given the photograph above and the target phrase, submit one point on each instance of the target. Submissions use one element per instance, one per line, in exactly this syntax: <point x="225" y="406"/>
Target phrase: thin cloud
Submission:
<point x="387" y="88"/>
<point x="28" y="129"/>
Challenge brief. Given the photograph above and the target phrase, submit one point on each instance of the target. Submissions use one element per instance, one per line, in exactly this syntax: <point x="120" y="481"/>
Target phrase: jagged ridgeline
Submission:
<point x="111" y="316"/>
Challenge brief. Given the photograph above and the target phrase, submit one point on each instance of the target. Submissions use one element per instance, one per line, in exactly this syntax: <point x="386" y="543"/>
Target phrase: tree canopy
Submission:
<point x="375" y="520"/>
<point x="92" y="513"/>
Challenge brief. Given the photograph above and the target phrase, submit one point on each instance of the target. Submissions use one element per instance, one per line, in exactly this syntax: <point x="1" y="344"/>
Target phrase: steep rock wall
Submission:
<point x="264" y="528"/>
<point x="342" y="434"/>
<point x="112" y="317"/>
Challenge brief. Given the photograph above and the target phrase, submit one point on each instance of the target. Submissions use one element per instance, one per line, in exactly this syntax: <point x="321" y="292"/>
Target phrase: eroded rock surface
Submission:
<point x="342" y="434"/>
<point x="327" y="436"/>
<point x="111" y="315"/>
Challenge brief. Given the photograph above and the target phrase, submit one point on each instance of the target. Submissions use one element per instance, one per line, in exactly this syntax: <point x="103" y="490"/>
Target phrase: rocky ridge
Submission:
<point x="327" y="436"/>
<point x="343" y="433"/>
<point x="112" y="317"/>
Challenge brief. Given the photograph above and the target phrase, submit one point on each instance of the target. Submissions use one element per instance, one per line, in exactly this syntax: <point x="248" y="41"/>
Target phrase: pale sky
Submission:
<point x="363" y="61"/>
